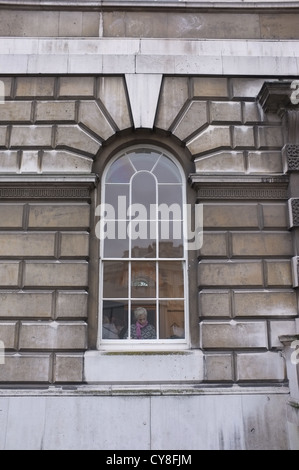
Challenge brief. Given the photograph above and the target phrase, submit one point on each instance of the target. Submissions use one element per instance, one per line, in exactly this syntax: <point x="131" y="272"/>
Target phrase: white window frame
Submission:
<point x="128" y="345"/>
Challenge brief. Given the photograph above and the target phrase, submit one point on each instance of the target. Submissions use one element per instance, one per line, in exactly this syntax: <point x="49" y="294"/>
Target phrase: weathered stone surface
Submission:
<point x="27" y="368"/>
<point x="174" y="94"/>
<point x="246" y="87"/>
<point x="234" y="335"/>
<point x="212" y="138"/>
<point x="79" y="87"/>
<point x="218" y="367"/>
<point x="230" y="216"/>
<point x="8" y="334"/>
<point x="281" y="328"/>
<point x="74" y="244"/>
<point x="27" y="244"/>
<point x="251" y="113"/>
<point x="270" y="137"/>
<point x="35" y="87"/>
<point x="11" y="215"/>
<point x="76" y="216"/>
<point x="57" y="111"/>
<point x="47" y="274"/>
<point x="281" y="26"/>
<point x="225" y="111"/>
<point x="16" y="111"/>
<point x="221" y="162"/>
<point x="143" y="92"/>
<point x="260" y="366"/>
<point x="9" y="161"/>
<point x="230" y="273"/>
<point x="53" y="335"/>
<point x="68" y="368"/>
<point x="262" y="244"/>
<point x="265" y="303"/>
<point x="112" y="93"/>
<point x="76" y="138"/>
<point x="60" y="161"/>
<point x="275" y="215"/>
<point x="192" y="120"/>
<point x="214" y="303"/>
<point x="279" y="273"/>
<point x="30" y="161"/>
<point x="6" y="86"/>
<point x="3" y="140"/>
<point x="265" y="162"/>
<point x="93" y="117"/>
<point x="9" y="273"/>
<point x="22" y="304"/>
<point x="210" y="87"/>
<point x="214" y="244"/>
<point x="243" y="137"/>
<point x="71" y="304"/>
<point x="31" y="136"/>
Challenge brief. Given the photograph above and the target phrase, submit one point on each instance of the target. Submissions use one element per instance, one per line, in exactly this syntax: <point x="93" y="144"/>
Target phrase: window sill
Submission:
<point x="143" y="367"/>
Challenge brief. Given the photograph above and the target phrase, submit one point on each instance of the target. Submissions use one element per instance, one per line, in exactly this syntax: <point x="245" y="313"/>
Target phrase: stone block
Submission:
<point x="230" y="215"/>
<point x="246" y="87"/>
<point x="282" y="26"/>
<point x="214" y="244"/>
<point x="281" y="328"/>
<point x="260" y="366"/>
<point x="6" y="87"/>
<point x="270" y="137"/>
<point x="279" y="273"/>
<point x="210" y="87"/>
<point x="31" y="136"/>
<point x="226" y="274"/>
<point x="27" y="244"/>
<point x="76" y="138"/>
<point x="22" y="304"/>
<point x="57" y="111"/>
<point x="91" y="116"/>
<point x="70" y="23"/>
<point x="265" y="303"/>
<point x="275" y="215"/>
<point x="74" y="245"/>
<point x="79" y="87"/>
<point x="265" y="162"/>
<point x="218" y="367"/>
<point x="91" y="24"/>
<point x="209" y="139"/>
<point x="9" y="273"/>
<point x="9" y="161"/>
<point x="71" y="304"/>
<point x="53" y="335"/>
<point x="214" y="303"/>
<point x="225" y="111"/>
<point x="71" y="216"/>
<point x="35" y="87"/>
<point x="221" y="162"/>
<point x="8" y="334"/>
<point x="112" y="92"/>
<point x="58" y="274"/>
<point x="233" y="334"/>
<point x="251" y="114"/>
<point x="26" y="368"/>
<point x="16" y="111"/>
<point x="68" y="368"/>
<point x="30" y="161"/>
<point x="3" y="139"/>
<point x="60" y="161"/>
<point x="195" y="117"/>
<point x="243" y="137"/>
<point x="174" y="94"/>
<point x="11" y="215"/>
<point x="262" y="244"/>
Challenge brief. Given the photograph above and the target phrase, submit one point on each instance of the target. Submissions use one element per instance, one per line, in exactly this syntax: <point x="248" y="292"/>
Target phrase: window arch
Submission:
<point x="143" y="271"/>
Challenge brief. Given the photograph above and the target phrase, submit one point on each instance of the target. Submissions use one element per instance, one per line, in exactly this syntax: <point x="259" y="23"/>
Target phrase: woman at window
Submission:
<point x="142" y="329"/>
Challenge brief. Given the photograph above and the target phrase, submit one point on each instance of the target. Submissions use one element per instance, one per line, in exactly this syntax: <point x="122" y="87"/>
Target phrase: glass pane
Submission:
<point x="143" y="320"/>
<point x="118" y="197"/>
<point x="172" y="323"/>
<point x="144" y="159"/>
<point x="171" y="239"/>
<point x="166" y="171"/>
<point x="171" y="279"/>
<point x="170" y="194"/>
<point x="144" y="192"/>
<point x="121" y="171"/>
<point x="143" y="239"/>
<point x="115" y="319"/>
<point x="143" y="279"/>
<point x="115" y="279"/>
<point x="116" y="247"/>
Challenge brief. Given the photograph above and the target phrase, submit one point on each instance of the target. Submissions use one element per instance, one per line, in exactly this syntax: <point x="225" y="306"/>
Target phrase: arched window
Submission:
<point x="143" y="272"/>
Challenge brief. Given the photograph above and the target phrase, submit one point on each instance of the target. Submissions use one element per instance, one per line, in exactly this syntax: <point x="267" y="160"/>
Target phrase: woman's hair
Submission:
<point x="140" y="311"/>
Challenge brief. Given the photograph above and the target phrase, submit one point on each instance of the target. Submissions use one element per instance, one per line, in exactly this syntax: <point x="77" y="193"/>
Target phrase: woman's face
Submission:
<point x="142" y="319"/>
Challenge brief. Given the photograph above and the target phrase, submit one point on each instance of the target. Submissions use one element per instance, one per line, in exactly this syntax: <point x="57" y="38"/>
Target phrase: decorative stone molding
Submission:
<point x="240" y="188"/>
<point x="295" y="266"/>
<point x="294" y="212"/>
<point x="274" y="97"/>
<point x="291" y="157"/>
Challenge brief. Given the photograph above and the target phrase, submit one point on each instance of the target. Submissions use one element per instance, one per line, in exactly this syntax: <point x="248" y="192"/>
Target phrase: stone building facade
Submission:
<point x="212" y="87"/>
